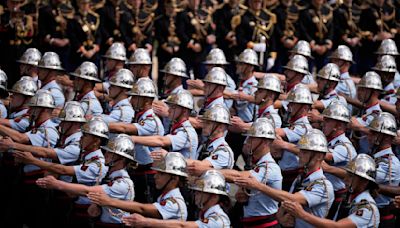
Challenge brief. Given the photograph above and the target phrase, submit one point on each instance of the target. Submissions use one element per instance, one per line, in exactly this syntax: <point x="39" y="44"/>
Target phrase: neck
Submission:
<point x="373" y="100"/>
<point x="384" y="146"/>
<point x="247" y="75"/>
<point x="119" y="166"/>
<point x="266" y="103"/>
<point x="182" y="118"/>
<point x="73" y="130"/>
<point x="86" y="89"/>
<point x="91" y="148"/>
<point x="216" y="135"/>
<point x="48" y="80"/>
<point x="208" y="205"/>
<point x="43" y="118"/>
<point x="263" y="150"/>
<point x="120" y="97"/>
<point x="313" y="168"/>
<point x="146" y="107"/>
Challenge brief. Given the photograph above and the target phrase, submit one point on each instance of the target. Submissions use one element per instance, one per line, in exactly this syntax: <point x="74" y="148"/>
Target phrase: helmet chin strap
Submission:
<point x="166" y="184"/>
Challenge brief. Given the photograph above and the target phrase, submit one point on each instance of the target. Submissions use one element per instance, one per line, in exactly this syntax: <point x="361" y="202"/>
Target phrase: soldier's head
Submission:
<point x="142" y="94"/>
<point x="246" y="63"/>
<point x="300" y="101"/>
<point x="21" y="92"/>
<point x="115" y="57"/>
<point x="180" y="105"/>
<point x="387" y="47"/>
<point x="215" y="82"/>
<point x="303" y="48"/>
<point x="29" y="61"/>
<point x="120" y="84"/>
<point x="3" y="85"/>
<point x="313" y="147"/>
<point x="215" y="58"/>
<point x="175" y="71"/>
<point x="343" y="58"/>
<point x="41" y="106"/>
<point x="268" y="90"/>
<point x="72" y="117"/>
<point x="140" y="63"/>
<point x="171" y="171"/>
<point x="49" y="67"/>
<point x="295" y="70"/>
<point x="259" y="138"/>
<point x="361" y="174"/>
<point x="85" y="77"/>
<point x="94" y="134"/>
<point x="369" y="88"/>
<point x="336" y="117"/>
<point x="328" y="78"/>
<point x="215" y="121"/>
<point x="255" y="5"/>
<point x="382" y="130"/>
<point x="386" y="68"/>
<point x="119" y="152"/>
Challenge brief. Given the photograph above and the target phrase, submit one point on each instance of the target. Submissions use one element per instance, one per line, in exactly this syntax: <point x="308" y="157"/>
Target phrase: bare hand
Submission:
<point x="314" y="116"/>
<point x="196" y="168"/>
<point x="211" y="39"/>
<point x="160" y="108"/>
<point x="196" y="47"/>
<point x="197" y="84"/>
<point x="293" y="208"/>
<point x="238" y="125"/>
<point x="6" y="143"/>
<point x="24" y="157"/>
<point x="48" y="182"/>
<point x="99" y="198"/>
<point x="134" y="220"/>
<point x="397" y="201"/>
<point x="132" y="47"/>
<point x="247" y="182"/>
<point x="158" y="155"/>
<point x="241" y="197"/>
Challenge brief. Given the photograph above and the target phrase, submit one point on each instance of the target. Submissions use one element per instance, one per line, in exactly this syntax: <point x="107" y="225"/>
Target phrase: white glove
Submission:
<point x="259" y="47"/>
<point x="270" y="63"/>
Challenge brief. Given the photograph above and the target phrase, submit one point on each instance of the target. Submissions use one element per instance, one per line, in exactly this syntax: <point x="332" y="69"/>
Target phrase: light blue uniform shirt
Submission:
<point x="3" y="110"/>
<point x="390" y="94"/>
<point x="318" y="192"/>
<point x="221" y="155"/>
<point x="19" y="121"/>
<point x="68" y="153"/>
<point x="365" y="120"/>
<point x="91" y="105"/>
<point x="245" y="109"/>
<point x="120" y="187"/>
<point x="120" y="112"/>
<point x="166" y="121"/>
<point x="272" y="113"/>
<point x="267" y="172"/>
<point x="214" y="217"/>
<point x="396" y="80"/>
<point x="56" y="92"/>
<point x="172" y="205"/>
<point x="148" y="124"/>
<point x="231" y="87"/>
<point x="184" y="140"/>
<point x="333" y="97"/>
<point x="363" y="214"/>
<point x="346" y="86"/>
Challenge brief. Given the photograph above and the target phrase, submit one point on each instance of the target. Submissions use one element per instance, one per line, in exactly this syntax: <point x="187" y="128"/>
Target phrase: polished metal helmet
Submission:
<point x="116" y="51"/>
<point x="31" y="56"/>
<point x="25" y="86"/>
<point x="121" y="145"/>
<point x="3" y="80"/>
<point x="371" y="80"/>
<point x="387" y="47"/>
<point x="343" y="53"/>
<point x="300" y="94"/>
<point x="298" y="63"/>
<point x="87" y="71"/>
<point x="363" y="166"/>
<point x="216" y="75"/>
<point x="313" y="140"/>
<point x="182" y="98"/>
<point x="384" y="123"/>
<point x="262" y="128"/>
<point x="270" y="82"/>
<point x="212" y="181"/>
<point x="216" y="57"/>
<point x="176" y="66"/>
<point x="386" y="63"/>
<point x="96" y="127"/>
<point x="123" y="78"/>
<point x="43" y="99"/>
<point x="50" y="61"/>
<point x="303" y="48"/>
<point x="248" y="56"/>
<point x="217" y="113"/>
<point x="337" y="111"/>
<point x="140" y="57"/>
<point x="72" y="112"/>
<point x="173" y="163"/>
<point x="330" y="72"/>
<point x="144" y="87"/>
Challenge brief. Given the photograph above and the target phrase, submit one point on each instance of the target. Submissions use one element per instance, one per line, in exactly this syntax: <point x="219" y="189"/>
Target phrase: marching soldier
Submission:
<point x="316" y="27"/>
<point x="121" y="109"/>
<point x="388" y="47"/>
<point x="210" y="190"/>
<point x="259" y="209"/>
<point x="85" y="35"/>
<point x="114" y="60"/>
<point x="215" y="83"/>
<point x="386" y="69"/>
<point x="256" y="31"/>
<point x="119" y="152"/>
<point x="170" y="174"/>
<point x="382" y="130"/>
<point x="362" y="211"/>
<point x="28" y="64"/>
<point x="3" y="94"/>
<point x="85" y="77"/>
<point x="296" y="71"/>
<point x="146" y="123"/>
<point x="311" y="189"/>
<point x="140" y="63"/>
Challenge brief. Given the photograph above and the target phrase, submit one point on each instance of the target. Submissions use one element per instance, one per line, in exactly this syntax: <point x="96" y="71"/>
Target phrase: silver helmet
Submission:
<point x="371" y="80"/>
<point x="262" y="128"/>
<point x="31" y="56"/>
<point x="387" y="47"/>
<point x="121" y="145"/>
<point x="182" y="98"/>
<point x="384" y="123"/>
<point x="386" y="63"/>
<point x="97" y="127"/>
<point x="216" y="57"/>
<point x="116" y="51"/>
<point x="363" y="166"/>
<point x="337" y="111"/>
<point x="140" y="57"/>
<point x="313" y="140"/>
<point x="248" y="56"/>
<point x="303" y="48"/>
<point x="144" y="87"/>
<point x="3" y="80"/>
<point x="330" y="72"/>
<point x="270" y="82"/>
<point x="216" y="75"/>
<point x="217" y="113"/>
<point x="212" y="181"/>
<point x="72" y="112"/>
<point x="343" y="53"/>
<point x="176" y="66"/>
<point x="123" y="78"/>
<point x="87" y="71"/>
<point x="43" y="99"/>
<point x="25" y="86"/>
<point x="50" y="61"/>
<point x="298" y="63"/>
<point x="173" y="163"/>
<point x="300" y="94"/>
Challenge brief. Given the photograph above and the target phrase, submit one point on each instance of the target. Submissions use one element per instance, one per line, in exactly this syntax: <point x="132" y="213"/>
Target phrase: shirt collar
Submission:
<point x="249" y="81"/>
<point x="345" y="75"/>
<point x="121" y="103"/>
<point x="336" y="139"/>
<point x="118" y="173"/>
<point x="216" y="143"/>
<point x="147" y="113"/>
<point x="167" y="195"/>
<point x="177" y="89"/>
<point x="318" y="174"/>
<point x="49" y="85"/>
<point x="264" y="159"/>
<point x="212" y="101"/>
<point x="268" y="109"/>
<point x="214" y="209"/>
<point x="373" y="107"/>
<point x="330" y="94"/>
<point x="298" y="120"/>
<point x="383" y="152"/>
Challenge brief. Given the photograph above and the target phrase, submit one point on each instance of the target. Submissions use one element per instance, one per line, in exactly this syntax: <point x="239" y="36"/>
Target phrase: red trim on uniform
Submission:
<point x="309" y="173"/>
<point x="330" y="138"/>
<point x="177" y="125"/>
<point x="80" y="96"/>
<point x="387" y="217"/>
<point x="294" y="119"/>
<point x="142" y="173"/>
<point x="210" y="100"/>
<point x="261" y="111"/>
<point x="290" y="86"/>
<point x="369" y="106"/>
